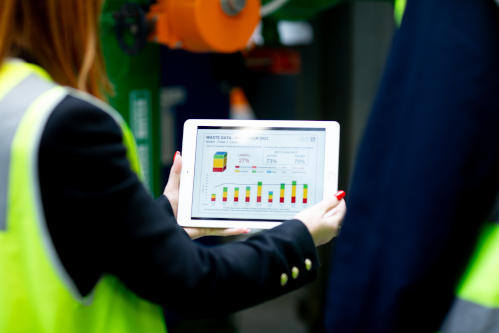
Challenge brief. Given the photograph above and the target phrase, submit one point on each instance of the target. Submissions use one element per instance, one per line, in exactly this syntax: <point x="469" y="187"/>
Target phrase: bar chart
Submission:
<point x="288" y="192"/>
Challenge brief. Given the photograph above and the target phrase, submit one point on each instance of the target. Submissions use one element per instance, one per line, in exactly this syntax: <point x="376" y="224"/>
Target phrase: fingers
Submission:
<point x="174" y="178"/>
<point x="328" y="204"/>
<point x="201" y="232"/>
<point x="337" y="214"/>
<point x="231" y="232"/>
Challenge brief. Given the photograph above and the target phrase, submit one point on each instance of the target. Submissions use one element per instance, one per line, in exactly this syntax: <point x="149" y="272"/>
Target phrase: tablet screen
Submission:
<point x="267" y="174"/>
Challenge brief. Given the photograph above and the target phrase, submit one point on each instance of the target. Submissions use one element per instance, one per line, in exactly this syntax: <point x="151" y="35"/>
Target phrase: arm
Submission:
<point x="103" y="221"/>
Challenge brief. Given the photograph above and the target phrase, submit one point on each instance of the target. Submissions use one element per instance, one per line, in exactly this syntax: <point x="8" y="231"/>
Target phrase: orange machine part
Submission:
<point x="202" y="25"/>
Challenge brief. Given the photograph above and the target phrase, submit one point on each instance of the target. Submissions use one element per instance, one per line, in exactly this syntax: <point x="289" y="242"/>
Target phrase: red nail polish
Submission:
<point x="340" y="195"/>
<point x="175" y="156"/>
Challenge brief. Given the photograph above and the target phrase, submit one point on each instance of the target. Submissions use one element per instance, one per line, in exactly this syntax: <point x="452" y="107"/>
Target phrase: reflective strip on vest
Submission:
<point x="476" y="307"/>
<point x="469" y="317"/>
<point x="12" y="108"/>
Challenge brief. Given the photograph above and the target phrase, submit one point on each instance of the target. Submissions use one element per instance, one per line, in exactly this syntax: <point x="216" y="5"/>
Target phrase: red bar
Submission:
<point x="236" y="199"/>
<point x="281" y="200"/>
<point x="224" y="199"/>
<point x="258" y="199"/>
<point x="293" y="200"/>
<point x="270" y="200"/>
<point x="247" y="199"/>
<point x="305" y="200"/>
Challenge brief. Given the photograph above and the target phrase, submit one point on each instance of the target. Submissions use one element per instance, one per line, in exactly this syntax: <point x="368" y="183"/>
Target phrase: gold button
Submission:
<point x="295" y="272"/>
<point x="284" y="279"/>
<point x="308" y="264"/>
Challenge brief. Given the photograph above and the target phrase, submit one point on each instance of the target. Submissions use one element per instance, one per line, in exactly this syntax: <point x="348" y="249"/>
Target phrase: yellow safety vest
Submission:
<point x="399" y="11"/>
<point x="36" y="293"/>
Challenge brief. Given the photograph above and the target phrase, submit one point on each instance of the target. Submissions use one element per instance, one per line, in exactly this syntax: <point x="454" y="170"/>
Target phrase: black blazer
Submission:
<point x="427" y="173"/>
<point x="103" y="221"/>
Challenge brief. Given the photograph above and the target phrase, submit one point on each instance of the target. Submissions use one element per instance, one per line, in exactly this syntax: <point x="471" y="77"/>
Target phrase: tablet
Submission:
<point x="255" y="173"/>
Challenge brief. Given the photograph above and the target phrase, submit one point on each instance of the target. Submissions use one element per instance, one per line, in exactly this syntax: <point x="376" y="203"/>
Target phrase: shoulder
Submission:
<point x="80" y="118"/>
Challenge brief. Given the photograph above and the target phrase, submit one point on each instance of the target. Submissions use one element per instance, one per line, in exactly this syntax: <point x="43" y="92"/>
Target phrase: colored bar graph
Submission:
<point x="271" y="196"/>
<point x="293" y="192"/>
<point x="305" y="193"/>
<point x="220" y="161"/>
<point x="236" y="194"/>
<point x="281" y="198"/>
<point x="248" y="192"/>
<point x="224" y="198"/>
<point x="259" y="192"/>
<point x="213" y="197"/>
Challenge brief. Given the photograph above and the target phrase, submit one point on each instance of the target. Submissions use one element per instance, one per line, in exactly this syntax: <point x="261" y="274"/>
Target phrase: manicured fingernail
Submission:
<point x="340" y="195"/>
<point x="175" y="156"/>
<point x="247" y="231"/>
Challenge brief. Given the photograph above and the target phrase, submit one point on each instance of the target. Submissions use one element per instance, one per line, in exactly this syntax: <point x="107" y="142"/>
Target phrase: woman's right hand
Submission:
<point x="324" y="219"/>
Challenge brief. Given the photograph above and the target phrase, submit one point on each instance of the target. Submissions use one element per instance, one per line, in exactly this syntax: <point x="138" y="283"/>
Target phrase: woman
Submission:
<point x="83" y="247"/>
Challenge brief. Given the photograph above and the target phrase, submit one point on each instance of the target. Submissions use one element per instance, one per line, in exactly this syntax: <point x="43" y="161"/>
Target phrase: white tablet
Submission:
<point x="255" y="173"/>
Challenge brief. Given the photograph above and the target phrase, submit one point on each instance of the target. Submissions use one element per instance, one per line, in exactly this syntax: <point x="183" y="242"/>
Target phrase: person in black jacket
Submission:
<point x="431" y="153"/>
<point x="100" y="218"/>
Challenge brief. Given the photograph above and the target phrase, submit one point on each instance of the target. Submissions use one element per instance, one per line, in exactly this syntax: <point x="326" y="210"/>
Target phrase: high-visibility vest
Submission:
<point x="36" y="293"/>
<point x="399" y="11"/>
<point x="476" y="306"/>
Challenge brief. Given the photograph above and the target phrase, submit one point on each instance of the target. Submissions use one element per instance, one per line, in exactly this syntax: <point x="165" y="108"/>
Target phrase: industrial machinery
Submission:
<point x="223" y="26"/>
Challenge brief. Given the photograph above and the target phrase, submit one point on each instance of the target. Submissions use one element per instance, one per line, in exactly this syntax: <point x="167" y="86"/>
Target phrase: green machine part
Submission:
<point x="136" y="81"/>
<point x="299" y="10"/>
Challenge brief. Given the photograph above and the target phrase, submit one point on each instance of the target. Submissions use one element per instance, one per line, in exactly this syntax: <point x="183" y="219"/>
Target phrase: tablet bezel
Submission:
<point x="332" y="141"/>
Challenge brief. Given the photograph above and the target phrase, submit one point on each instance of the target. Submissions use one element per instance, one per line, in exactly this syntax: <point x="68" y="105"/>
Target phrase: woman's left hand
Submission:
<point x="171" y="192"/>
<point x="173" y="184"/>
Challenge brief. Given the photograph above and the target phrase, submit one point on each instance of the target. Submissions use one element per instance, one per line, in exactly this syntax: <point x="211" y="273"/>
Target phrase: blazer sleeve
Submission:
<point x="103" y="221"/>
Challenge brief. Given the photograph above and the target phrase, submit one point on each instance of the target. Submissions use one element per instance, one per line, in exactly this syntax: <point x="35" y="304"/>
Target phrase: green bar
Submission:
<point x="248" y="188"/>
<point x="225" y="189"/>
<point x="294" y="182"/>
<point x="305" y="186"/>
<point x="236" y="188"/>
<point x="282" y="186"/>
<point x="260" y="183"/>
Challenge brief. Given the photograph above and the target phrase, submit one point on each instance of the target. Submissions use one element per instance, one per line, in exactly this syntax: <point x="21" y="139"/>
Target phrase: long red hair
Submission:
<point x="59" y="35"/>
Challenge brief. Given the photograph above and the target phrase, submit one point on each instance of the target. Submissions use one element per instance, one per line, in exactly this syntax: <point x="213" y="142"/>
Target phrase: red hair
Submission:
<point x="59" y="35"/>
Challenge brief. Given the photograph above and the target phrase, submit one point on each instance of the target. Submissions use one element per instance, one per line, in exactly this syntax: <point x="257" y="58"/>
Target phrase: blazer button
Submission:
<point x="284" y="279"/>
<point x="295" y="272"/>
<point x="308" y="264"/>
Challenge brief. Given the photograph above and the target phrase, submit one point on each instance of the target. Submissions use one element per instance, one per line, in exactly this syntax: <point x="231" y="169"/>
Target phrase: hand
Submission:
<point x="201" y="232"/>
<point x="323" y="220"/>
<point x="171" y="192"/>
<point x="173" y="184"/>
